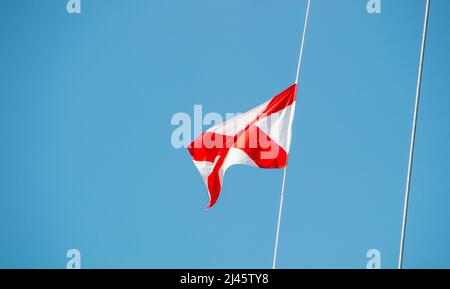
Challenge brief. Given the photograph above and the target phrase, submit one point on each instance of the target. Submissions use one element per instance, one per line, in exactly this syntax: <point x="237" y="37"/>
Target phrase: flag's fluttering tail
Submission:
<point x="260" y="137"/>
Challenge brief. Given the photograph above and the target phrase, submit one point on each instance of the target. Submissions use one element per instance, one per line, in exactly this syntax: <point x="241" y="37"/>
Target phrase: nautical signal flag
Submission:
<point x="260" y="137"/>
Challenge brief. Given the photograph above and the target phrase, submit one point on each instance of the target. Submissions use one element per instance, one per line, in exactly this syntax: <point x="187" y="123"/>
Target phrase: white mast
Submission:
<point x="413" y="134"/>
<point x="290" y="125"/>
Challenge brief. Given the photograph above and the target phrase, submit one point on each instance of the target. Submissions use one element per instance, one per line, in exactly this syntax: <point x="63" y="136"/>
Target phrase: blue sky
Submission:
<point x="86" y="160"/>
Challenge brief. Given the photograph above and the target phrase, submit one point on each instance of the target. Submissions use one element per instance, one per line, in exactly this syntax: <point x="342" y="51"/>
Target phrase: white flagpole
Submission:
<point x="413" y="134"/>
<point x="290" y="125"/>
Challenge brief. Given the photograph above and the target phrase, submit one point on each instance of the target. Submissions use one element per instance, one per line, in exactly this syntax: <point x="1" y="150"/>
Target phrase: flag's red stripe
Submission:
<point x="267" y="153"/>
<point x="281" y="101"/>
<point x="208" y="146"/>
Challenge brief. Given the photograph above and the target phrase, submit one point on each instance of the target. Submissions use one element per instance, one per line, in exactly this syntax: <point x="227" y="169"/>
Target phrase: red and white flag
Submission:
<point x="260" y="137"/>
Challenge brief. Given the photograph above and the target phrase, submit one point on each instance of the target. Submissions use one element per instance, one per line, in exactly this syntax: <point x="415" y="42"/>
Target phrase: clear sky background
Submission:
<point x="86" y="160"/>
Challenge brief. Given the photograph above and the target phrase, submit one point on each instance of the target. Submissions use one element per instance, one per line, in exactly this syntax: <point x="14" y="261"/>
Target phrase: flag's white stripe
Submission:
<point x="234" y="157"/>
<point x="277" y="126"/>
<point x="232" y="126"/>
<point x="205" y="169"/>
<point x="237" y="157"/>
